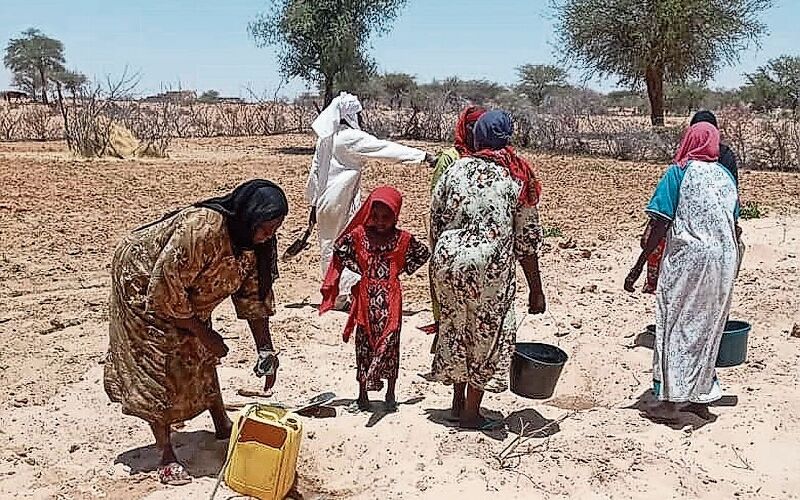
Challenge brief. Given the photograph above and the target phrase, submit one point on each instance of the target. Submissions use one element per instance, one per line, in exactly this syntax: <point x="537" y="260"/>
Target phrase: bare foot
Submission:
<point x="223" y="429"/>
<point x="699" y="409"/>
<point x="390" y="404"/>
<point x="662" y="411"/>
<point x="457" y="408"/>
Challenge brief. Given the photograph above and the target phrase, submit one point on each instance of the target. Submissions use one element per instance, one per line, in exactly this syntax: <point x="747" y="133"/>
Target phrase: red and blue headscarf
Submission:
<point x="493" y="132"/>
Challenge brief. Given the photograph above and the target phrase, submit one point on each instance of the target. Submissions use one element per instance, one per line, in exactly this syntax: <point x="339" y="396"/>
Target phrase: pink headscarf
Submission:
<point x="700" y="142"/>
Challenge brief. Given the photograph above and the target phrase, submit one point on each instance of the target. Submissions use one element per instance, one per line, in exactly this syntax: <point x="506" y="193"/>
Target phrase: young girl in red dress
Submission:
<point x="372" y="246"/>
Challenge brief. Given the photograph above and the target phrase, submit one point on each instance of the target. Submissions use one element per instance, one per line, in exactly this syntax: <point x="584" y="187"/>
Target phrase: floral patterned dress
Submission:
<point x="376" y="361"/>
<point x="178" y="268"/>
<point x="480" y="230"/>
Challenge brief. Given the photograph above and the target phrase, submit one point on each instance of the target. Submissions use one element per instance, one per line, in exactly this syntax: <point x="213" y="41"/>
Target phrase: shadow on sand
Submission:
<point x="199" y="451"/>
<point x="377" y="409"/>
<point x="689" y="415"/>
<point x="295" y="150"/>
<point x="528" y="422"/>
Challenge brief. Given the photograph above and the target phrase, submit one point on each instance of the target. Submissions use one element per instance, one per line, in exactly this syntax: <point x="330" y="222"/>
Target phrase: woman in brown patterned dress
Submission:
<point x="167" y="278"/>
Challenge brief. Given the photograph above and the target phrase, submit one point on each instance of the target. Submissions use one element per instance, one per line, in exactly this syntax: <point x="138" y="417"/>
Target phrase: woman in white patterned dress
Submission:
<point x="483" y="218"/>
<point x="696" y="206"/>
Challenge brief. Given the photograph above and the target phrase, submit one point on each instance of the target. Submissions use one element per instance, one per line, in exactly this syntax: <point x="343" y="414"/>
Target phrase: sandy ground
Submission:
<point x="61" y="438"/>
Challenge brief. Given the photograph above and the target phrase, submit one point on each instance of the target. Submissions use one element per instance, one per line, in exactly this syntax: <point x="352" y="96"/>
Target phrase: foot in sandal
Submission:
<point x="173" y="474"/>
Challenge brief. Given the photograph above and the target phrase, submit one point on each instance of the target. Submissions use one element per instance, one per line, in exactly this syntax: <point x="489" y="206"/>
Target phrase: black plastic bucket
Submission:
<point x="535" y="369"/>
<point x="732" y="347"/>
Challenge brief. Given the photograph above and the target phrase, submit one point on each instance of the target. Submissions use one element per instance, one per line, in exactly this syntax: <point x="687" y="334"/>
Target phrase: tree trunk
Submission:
<point x="655" y="92"/>
<point x="44" y="86"/>
<point x="328" y="91"/>
<point x="63" y="109"/>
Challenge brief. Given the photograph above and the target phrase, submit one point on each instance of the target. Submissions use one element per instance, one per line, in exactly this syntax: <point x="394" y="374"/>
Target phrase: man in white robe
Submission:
<point x="334" y="181"/>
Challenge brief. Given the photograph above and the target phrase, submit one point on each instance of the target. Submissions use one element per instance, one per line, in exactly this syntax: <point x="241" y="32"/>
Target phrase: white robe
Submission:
<point x="335" y="190"/>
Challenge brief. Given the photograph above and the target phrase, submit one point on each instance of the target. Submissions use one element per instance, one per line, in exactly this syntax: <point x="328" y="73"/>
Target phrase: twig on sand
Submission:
<point x="524" y="436"/>
<point x="745" y="464"/>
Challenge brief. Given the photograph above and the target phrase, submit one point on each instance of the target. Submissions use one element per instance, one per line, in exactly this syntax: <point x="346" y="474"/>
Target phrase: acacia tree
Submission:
<point x="775" y="85"/>
<point x="71" y="80"/>
<point x="537" y="80"/>
<point x="34" y="59"/>
<point x="657" y="41"/>
<point x="399" y="86"/>
<point x="324" y="41"/>
<point x="686" y="97"/>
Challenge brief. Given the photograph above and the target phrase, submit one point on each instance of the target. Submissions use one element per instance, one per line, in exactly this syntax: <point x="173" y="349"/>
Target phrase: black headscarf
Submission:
<point x="726" y="155"/>
<point x="244" y="208"/>
<point x="704" y="116"/>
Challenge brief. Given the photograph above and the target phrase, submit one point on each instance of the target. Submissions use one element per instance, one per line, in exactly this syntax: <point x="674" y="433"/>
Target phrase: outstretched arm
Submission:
<point x="369" y="146"/>
<point x="655" y="232"/>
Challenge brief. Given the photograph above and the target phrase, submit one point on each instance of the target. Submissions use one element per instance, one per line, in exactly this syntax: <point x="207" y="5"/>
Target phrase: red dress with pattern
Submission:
<point x="377" y="299"/>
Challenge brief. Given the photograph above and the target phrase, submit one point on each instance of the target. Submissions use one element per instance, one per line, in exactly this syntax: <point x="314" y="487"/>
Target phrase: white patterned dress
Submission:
<point x="695" y="284"/>
<point x="479" y="230"/>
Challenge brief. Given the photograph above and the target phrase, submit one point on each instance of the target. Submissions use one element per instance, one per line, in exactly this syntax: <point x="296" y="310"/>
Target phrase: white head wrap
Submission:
<point x="343" y="107"/>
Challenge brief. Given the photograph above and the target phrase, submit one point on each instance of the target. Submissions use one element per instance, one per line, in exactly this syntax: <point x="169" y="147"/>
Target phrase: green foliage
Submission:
<point x="536" y="81"/>
<point x="209" y="96"/>
<point x="626" y="99"/>
<point x="461" y="92"/>
<point x="34" y="59"/>
<point x="775" y="85"/>
<point x="71" y="80"/>
<point x="399" y="87"/>
<point x="683" y="98"/>
<point x="751" y="210"/>
<point x="657" y="41"/>
<point x="325" y="41"/>
<point x="553" y="232"/>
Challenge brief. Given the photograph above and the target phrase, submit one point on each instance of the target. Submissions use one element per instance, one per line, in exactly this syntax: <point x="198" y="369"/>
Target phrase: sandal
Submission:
<point x="174" y="474"/>
<point x="355" y="408"/>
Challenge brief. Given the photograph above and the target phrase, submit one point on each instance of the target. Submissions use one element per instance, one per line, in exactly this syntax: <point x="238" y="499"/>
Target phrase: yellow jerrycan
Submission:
<point x="262" y="454"/>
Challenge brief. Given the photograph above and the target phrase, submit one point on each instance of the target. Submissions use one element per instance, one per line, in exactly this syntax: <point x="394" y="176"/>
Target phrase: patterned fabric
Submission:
<point x="378" y="360"/>
<point x="695" y="284"/>
<point x="445" y="159"/>
<point x="493" y="132"/>
<point x="181" y="267"/>
<point x="663" y="205"/>
<point x="653" y="265"/>
<point x="479" y="228"/>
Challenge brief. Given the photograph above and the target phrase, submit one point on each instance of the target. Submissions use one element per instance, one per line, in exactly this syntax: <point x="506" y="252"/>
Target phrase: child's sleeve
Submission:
<point x="418" y="255"/>
<point x="346" y="251"/>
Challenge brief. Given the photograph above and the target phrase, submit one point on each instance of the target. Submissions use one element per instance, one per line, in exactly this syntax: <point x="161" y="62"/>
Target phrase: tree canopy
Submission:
<point x="775" y="85"/>
<point x="657" y="41"/>
<point x="34" y="59"/>
<point x="536" y="80"/>
<point x="325" y="41"/>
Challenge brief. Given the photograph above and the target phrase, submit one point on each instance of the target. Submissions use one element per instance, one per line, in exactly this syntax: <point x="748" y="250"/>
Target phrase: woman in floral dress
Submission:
<point x="483" y="219"/>
<point x="167" y="278"/>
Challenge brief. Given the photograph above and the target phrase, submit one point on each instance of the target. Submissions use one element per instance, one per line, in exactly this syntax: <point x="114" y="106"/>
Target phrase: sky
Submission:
<point x="203" y="44"/>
